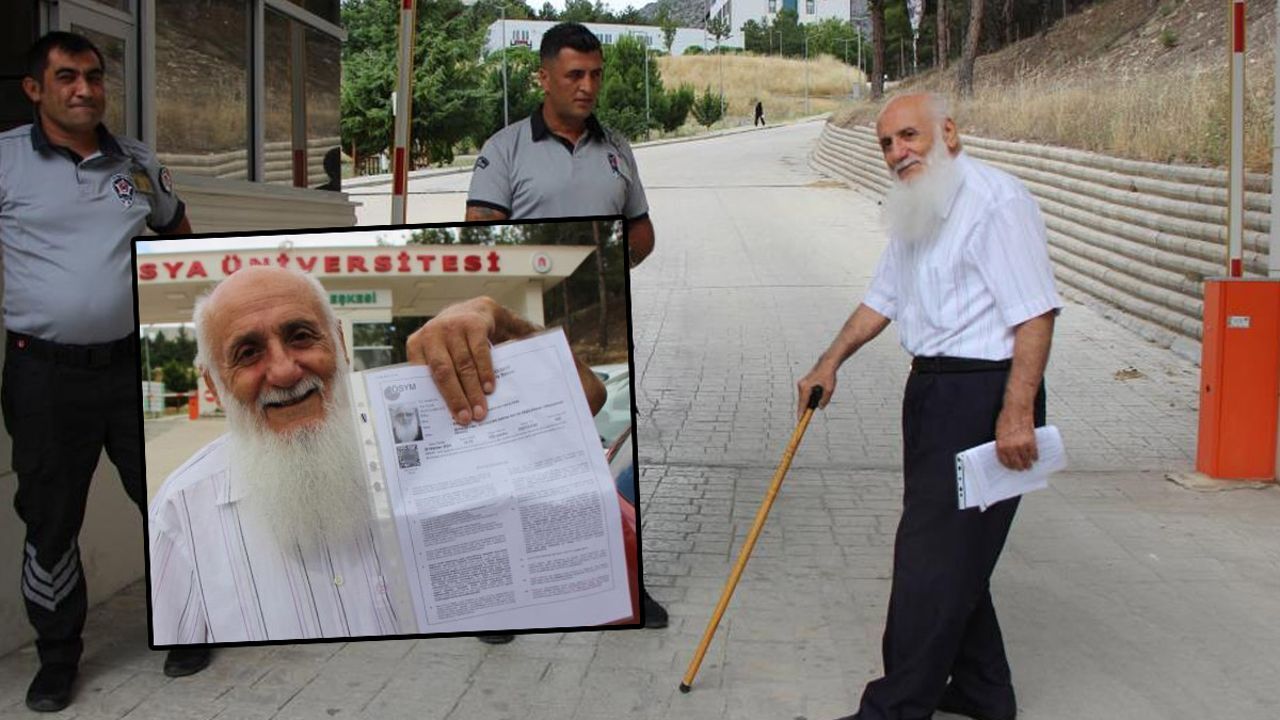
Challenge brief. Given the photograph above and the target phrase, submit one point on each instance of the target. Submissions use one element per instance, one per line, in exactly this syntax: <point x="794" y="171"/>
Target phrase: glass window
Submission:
<point x="773" y="6"/>
<point x="113" y="53"/>
<point x="117" y="4"/>
<point x="325" y="9"/>
<point x="278" y="107"/>
<point x="202" y="87"/>
<point x="17" y="33"/>
<point x="324" y="78"/>
<point x="808" y="6"/>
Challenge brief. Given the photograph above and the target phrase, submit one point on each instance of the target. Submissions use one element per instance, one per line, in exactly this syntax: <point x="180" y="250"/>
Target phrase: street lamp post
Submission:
<point x="806" y="69"/>
<point x="506" y="118"/>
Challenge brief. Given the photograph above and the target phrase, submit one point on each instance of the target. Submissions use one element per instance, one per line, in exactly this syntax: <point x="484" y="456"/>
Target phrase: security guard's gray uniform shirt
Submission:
<point x="527" y="171"/>
<point x="65" y="225"/>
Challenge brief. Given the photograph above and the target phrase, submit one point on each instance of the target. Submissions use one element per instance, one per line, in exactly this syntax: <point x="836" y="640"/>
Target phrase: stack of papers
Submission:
<point x="982" y="481"/>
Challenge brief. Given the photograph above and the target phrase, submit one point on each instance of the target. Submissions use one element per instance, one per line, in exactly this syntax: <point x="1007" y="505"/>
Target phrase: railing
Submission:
<point x="1134" y="240"/>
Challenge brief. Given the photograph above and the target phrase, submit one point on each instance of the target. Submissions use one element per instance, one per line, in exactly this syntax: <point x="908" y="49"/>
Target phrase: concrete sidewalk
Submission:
<point x="1121" y="595"/>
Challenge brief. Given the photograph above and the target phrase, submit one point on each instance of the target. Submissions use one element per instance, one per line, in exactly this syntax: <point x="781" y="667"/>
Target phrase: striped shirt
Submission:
<point x="218" y="575"/>
<point x="987" y="270"/>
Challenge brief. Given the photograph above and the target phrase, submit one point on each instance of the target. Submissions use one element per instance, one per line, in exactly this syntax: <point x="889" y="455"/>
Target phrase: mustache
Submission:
<point x="905" y="163"/>
<point x="274" y="396"/>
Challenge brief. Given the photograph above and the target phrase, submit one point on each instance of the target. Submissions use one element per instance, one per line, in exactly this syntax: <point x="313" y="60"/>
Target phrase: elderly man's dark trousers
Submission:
<point x="62" y="405"/>
<point x="941" y="634"/>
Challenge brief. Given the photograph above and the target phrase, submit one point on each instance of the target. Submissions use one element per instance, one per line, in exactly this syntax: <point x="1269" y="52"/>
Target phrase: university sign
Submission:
<point x="350" y="264"/>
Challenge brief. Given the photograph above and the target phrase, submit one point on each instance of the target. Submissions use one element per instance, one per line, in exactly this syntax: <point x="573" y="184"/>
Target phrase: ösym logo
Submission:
<point x="541" y="263"/>
<point x="392" y="392"/>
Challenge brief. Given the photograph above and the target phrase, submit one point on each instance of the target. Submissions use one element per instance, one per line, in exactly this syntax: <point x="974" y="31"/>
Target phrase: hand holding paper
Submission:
<point x="981" y="480"/>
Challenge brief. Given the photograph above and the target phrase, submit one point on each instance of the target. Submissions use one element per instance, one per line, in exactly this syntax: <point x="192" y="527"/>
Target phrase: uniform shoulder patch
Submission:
<point x="166" y="180"/>
<point x="482" y="162"/>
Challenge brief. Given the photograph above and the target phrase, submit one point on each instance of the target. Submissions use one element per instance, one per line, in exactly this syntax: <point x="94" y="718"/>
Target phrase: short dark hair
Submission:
<point x="572" y="35"/>
<point x="70" y="43"/>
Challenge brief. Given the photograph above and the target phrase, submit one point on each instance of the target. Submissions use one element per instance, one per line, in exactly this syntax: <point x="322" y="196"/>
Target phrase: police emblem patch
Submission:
<point x="613" y="163"/>
<point x="482" y="162"/>
<point x="166" y="180"/>
<point x="123" y="188"/>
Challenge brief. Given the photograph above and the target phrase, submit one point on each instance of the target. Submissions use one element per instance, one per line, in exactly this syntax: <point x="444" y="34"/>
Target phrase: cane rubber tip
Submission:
<point x="684" y="688"/>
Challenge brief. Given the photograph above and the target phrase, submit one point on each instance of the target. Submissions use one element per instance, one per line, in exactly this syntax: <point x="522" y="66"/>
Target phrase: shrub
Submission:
<point x="708" y="108"/>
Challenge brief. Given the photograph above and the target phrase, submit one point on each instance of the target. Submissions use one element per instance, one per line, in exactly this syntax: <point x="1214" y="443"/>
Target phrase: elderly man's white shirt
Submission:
<point x="985" y="271"/>
<point x="217" y="575"/>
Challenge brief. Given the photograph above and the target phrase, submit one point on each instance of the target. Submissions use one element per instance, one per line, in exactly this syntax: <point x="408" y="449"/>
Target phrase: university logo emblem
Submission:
<point x="123" y="188"/>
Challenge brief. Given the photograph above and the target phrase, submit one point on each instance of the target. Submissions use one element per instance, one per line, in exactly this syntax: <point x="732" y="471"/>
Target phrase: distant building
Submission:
<point x="739" y="12"/>
<point x="529" y="34"/>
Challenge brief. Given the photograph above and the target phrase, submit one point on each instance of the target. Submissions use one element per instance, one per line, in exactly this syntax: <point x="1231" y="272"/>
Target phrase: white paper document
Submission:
<point x="508" y="523"/>
<point x="982" y="481"/>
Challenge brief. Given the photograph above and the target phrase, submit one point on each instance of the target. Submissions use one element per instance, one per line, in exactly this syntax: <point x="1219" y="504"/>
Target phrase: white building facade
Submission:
<point x="528" y="33"/>
<point x="738" y="12"/>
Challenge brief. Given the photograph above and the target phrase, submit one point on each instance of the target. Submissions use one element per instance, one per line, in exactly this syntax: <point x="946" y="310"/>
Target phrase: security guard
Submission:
<point x="72" y="196"/>
<point x="560" y="161"/>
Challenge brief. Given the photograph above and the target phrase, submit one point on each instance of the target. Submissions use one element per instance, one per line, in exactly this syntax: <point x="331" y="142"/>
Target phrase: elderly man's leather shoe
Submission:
<point x="954" y="703"/>
<point x="495" y="639"/>
<point x="655" y="616"/>
<point x="181" y="662"/>
<point x="50" y="691"/>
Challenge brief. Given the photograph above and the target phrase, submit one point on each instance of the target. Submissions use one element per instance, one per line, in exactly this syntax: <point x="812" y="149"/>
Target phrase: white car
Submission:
<point x="615" y="416"/>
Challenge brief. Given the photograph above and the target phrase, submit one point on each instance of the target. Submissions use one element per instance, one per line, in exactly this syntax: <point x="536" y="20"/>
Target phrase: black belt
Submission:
<point x="88" y="356"/>
<point x="943" y="364"/>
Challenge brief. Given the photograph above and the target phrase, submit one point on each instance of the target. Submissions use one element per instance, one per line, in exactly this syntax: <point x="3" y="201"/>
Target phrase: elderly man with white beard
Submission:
<point x="967" y="277"/>
<point x="263" y="533"/>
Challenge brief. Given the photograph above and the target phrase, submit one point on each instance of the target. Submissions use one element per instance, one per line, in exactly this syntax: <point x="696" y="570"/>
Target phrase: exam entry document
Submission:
<point x="982" y="481"/>
<point x="508" y="523"/>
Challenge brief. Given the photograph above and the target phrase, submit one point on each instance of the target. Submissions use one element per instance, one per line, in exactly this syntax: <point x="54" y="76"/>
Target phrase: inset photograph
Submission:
<point x="391" y="432"/>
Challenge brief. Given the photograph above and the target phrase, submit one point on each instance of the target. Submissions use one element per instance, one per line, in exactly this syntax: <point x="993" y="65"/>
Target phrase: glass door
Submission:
<point x="110" y="25"/>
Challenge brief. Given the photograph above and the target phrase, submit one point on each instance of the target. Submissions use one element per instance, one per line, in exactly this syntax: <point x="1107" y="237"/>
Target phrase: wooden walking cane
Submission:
<point x="745" y="554"/>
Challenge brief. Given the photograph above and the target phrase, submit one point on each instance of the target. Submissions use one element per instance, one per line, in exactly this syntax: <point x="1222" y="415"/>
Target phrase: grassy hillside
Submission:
<point x="777" y="82"/>
<point x="1130" y="78"/>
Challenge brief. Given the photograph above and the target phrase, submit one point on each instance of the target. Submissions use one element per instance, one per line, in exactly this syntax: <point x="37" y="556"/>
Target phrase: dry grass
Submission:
<point x="777" y="82"/>
<point x="1162" y="118"/>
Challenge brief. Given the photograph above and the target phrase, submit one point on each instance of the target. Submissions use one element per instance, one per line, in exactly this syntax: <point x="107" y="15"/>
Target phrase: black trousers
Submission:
<point x="62" y="405"/>
<point x="941" y="625"/>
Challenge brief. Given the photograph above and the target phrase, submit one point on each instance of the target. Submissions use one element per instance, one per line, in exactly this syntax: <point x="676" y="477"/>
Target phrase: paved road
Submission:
<point x="1122" y="595"/>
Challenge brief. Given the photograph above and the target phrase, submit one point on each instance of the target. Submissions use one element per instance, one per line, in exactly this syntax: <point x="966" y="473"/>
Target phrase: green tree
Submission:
<point x="668" y="25"/>
<point x="718" y="28"/>
<point x="450" y="97"/>
<point x="755" y="36"/>
<point x="581" y="11"/>
<point x="673" y="107"/>
<point x="708" y="108"/>
<point x="548" y="12"/>
<point x="523" y="92"/>
<point x="621" y="104"/>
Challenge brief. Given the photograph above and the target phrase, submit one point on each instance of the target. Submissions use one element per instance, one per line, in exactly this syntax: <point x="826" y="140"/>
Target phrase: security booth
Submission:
<point x="370" y="288"/>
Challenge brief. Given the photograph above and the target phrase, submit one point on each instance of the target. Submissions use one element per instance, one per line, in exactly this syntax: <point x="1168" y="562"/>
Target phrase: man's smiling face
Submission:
<point x="273" y="348"/>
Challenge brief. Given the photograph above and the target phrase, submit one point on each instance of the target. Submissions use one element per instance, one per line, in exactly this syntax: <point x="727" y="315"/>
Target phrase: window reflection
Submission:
<point x="324" y="78"/>
<point x="278" y="69"/>
<point x="202" y="81"/>
<point x="112" y="49"/>
<point x="325" y="9"/>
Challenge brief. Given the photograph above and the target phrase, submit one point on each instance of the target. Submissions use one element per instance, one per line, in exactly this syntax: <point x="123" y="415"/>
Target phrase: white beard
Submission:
<point x="304" y="484"/>
<point x="914" y="209"/>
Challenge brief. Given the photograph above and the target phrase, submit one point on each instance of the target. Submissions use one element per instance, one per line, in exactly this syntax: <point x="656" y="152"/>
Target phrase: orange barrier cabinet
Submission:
<point x="1239" y="379"/>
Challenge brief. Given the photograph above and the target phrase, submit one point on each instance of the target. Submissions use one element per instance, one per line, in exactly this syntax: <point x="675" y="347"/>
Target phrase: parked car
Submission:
<point x="622" y="466"/>
<point x="615" y="416"/>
